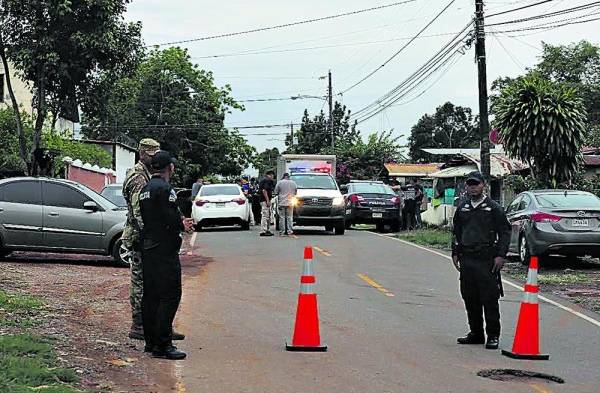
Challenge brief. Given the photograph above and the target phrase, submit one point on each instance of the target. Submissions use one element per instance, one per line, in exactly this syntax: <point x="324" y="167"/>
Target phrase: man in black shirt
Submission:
<point x="161" y="240"/>
<point x="419" y="196"/>
<point x="265" y="192"/>
<point x="481" y="236"/>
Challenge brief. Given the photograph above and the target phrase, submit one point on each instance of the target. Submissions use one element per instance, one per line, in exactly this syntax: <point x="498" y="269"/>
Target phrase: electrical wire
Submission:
<point x="519" y="8"/>
<point x="548" y="15"/>
<point x="284" y="24"/>
<point x="401" y="49"/>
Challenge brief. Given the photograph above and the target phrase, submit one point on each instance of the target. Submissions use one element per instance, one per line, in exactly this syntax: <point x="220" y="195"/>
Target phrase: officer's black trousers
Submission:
<point x="162" y="294"/>
<point x="479" y="290"/>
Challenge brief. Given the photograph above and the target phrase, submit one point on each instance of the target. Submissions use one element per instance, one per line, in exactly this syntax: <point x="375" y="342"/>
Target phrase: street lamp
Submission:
<point x="303" y="97"/>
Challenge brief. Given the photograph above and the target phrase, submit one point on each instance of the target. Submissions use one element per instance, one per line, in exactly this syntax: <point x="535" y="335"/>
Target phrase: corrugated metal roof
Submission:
<point x="501" y="164"/>
<point x="417" y="170"/>
<point x="454" y="171"/>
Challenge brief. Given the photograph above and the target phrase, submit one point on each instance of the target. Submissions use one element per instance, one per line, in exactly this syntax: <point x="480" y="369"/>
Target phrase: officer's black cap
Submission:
<point x="161" y="160"/>
<point x="475" y="176"/>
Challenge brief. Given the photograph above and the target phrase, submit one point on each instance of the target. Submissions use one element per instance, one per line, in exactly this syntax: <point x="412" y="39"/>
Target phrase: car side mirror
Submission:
<point x="90" y="205"/>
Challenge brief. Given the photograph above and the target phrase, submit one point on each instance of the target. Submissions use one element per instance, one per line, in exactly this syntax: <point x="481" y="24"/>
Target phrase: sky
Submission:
<point x="292" y="60"/>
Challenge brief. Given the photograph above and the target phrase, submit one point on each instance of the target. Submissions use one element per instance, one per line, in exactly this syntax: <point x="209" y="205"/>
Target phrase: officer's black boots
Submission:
<point x="492" y="342"/>
<point x="170" y="353"/>
<point x="177" y="336"/>
<point x="471" y="338"/>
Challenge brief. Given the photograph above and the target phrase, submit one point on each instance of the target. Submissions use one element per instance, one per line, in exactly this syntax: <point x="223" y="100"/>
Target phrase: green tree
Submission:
<point x="314" y="136"/>
<point x="449" y="127"/>
<point x="61" y="46"/>
<point x="576" y="66"/>
<point x="542" y="123"/>
<point x="365" y="161"/>
<point x="10" y="159"/>
<point x="266" y="160"/>
<point x="170" y="99"/>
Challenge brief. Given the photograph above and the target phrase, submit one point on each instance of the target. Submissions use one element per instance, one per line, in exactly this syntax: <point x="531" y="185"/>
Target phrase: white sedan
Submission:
<point x="221" y="204"/>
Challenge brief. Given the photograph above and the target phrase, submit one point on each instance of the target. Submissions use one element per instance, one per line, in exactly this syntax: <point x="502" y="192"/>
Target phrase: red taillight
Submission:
<point x="356" y="198"/>
<point x="544" y="217"/>
<point x="239" y="201"/>
<point x="201" y="202"/>
<point x="396" y="200"/>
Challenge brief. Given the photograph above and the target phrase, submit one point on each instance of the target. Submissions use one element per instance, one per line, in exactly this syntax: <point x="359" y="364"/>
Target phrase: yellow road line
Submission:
<point x="326" y="253"/>
<point x="539" y="389"/>
<point x="375" y="285"/>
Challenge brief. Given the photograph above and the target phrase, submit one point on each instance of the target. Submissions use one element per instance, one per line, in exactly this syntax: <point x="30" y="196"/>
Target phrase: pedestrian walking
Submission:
<point x="161" y="241"/>
<point x="135" y="179"/>
<point x="481" y="236"/>
<point x="286" y="190"/>
<point x="265" y="188"/>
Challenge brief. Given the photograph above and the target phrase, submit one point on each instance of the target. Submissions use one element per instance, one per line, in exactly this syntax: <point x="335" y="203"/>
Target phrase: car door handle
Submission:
<point x="53" y="214"/>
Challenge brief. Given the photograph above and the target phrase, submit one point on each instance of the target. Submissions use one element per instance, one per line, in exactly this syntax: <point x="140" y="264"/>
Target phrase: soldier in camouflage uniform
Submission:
<point x="136" y="179"/>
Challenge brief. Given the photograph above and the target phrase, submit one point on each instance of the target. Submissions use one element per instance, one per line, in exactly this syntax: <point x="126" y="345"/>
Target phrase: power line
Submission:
<point x="285" y="24"/>
<point x="400" y="50"/>
<point x="549" y="26"/>
<point x="549" y="15"/>
<point x="520" y="8"/>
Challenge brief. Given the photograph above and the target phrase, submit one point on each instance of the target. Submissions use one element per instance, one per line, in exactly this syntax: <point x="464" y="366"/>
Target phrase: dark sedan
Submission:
<point x="373" y="203"/>
<point x="562" y="222"/>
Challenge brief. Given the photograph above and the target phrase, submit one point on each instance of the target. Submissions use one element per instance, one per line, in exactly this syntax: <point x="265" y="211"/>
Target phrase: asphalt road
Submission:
<point x="400" y="337"/>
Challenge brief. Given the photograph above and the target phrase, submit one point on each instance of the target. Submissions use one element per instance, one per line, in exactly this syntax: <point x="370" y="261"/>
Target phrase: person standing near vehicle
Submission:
<point x="196" y="188"/>
<point x="408" y="210"/>
<point x="135" y="180"/>
<point x="161" y="241"/>
<point x="481" y="236"/>
<point x="255" y="198"/>
<point x="285" y="190"/>
<point x="419" y="195"/>
<point x="265" y="189"/>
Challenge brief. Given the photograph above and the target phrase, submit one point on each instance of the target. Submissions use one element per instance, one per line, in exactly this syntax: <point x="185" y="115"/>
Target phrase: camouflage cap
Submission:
<point x="149" y="146"/>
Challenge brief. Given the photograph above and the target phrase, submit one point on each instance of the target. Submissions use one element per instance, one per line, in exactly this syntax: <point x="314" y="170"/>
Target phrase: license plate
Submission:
<point x="348" y="211"/>
<point x="377" y="215"/>
<point x="576" y="222"/>
<point x="220" y="204"/>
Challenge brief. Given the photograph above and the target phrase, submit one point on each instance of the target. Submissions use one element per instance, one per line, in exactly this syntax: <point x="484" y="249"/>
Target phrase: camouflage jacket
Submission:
<point x="135" y="180"/>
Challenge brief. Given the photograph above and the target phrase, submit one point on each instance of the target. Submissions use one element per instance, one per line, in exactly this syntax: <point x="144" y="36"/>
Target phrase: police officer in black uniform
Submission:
<point x="161" y="240"/>
<point x="480" y="243"/>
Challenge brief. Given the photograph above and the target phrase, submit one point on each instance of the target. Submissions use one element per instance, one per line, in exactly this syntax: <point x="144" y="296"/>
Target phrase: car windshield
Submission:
<point x="219" y="190"/>
<point x="314" y="182"/>
<point x="371" y="189"/>
<point x="569" y="200"/>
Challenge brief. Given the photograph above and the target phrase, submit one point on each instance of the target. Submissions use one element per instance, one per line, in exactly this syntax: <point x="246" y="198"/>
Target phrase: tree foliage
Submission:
<point x="61" y="46"/>
<point x="365" y="161"/>
<point x="266" y="160"/>
<point x="314" y="136"/>
<point x="170" y="99"/>
<point x="542" y="123"/>
<point x="449" y="127"/>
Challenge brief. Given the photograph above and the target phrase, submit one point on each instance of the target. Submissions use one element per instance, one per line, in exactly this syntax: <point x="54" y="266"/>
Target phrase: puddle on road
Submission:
<point x="512" y="375"/>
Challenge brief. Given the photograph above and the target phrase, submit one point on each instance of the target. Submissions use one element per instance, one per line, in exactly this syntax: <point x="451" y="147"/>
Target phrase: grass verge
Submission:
<point x="28" y="363"/>
<point x="435" y="238"/>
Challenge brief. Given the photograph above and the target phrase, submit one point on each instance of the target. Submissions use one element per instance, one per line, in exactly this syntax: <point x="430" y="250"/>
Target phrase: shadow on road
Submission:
<point x="60" y="259"/>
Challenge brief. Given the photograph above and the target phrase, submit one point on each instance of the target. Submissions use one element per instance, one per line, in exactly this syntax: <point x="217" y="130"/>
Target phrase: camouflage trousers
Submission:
<point x="137" y="288"/>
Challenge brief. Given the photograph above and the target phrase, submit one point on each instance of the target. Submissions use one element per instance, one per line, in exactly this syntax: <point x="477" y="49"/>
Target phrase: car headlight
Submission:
<point x="294" y="201"/>
<point x="338" y="201"/>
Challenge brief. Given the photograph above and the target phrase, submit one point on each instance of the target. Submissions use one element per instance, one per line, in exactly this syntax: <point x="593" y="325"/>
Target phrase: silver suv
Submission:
<point x="53" y="215"/>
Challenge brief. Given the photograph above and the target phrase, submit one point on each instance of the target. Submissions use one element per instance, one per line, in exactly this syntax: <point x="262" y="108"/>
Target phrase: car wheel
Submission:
<point x="380" y="227"/>
<point x="524" y="254"/>
<point x="120" y="254"/>
<point x="329" y="228"/>
<point x="245" y="225"/>
<point x="340" y="228"/>
<point x="348" y="224"/>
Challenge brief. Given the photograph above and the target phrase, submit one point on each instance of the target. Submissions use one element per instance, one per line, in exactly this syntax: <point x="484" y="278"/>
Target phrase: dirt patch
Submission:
<point x="519" y="376"/>
<point x="88" y="315"/>
<point x="574" y="279"/>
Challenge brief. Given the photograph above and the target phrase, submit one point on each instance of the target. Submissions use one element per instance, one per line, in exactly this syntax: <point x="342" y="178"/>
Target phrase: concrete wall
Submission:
<point x="91" y="178"/>
<point x="124" y="159"/>
<point x="440" y="216"/>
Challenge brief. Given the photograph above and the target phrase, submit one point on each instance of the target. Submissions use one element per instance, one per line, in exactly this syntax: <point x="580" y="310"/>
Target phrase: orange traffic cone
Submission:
<point x="306" y="330"/>
<point x="527" y="336"/>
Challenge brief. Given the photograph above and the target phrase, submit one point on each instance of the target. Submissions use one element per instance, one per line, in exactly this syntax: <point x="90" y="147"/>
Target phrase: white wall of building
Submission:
<point x="124" y="159"/>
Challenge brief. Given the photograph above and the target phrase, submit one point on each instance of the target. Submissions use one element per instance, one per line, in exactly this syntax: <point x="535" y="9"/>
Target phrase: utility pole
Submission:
<point x="484" y="122"/>
<point x="330" y="99"/>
